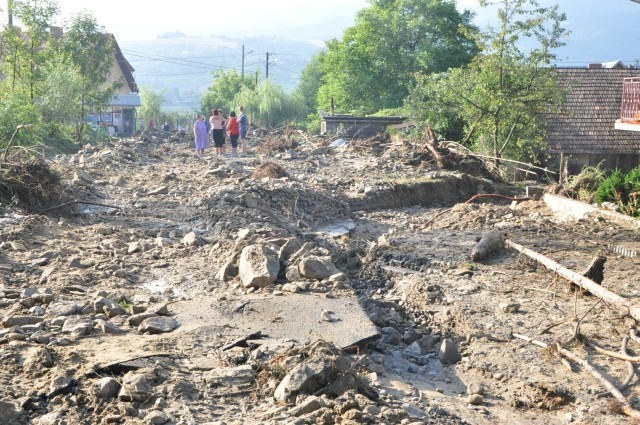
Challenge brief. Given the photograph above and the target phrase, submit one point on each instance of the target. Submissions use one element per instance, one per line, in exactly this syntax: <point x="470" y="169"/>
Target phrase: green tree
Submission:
<point x="500" y="94"/>
<point x="310" y="83"/>
<point x="372" y="67"/>
<point x="226" y="85"/>
<point x="86" y="47"/>
<point x="151" y="105"/>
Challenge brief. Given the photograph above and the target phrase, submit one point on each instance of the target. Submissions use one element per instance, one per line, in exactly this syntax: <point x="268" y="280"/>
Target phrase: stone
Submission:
<point x="62" y="308"/>
<point x="475" y="399"/>
<point x="421" y="347"/>
<point x="36" y="359"/>
<point x="157" y="325"/>
<point x="10" y="413"/>
<point x="78" y="326"/>
<point x="156" y="417"/>
<point x="108" y="327"/>
<point x="314" y="267"/>
<point x="476" y="388"/>
<point x="448" y="353"/>
<point x="138" y="385"/>
<point x="134" y="247"/>
<point x="162" y="190"/>
<point x="82" y="178"/>
<point x="227" y="272"/>
<point x="136" y="319"/>
<point x="290" y="287"/>
<point x="232" y="376"/>
<point x="107" y="388"/>
<point x="191" y="239"/>
<point x="509" y="307"/>
<point x="21" y="321"/>
<point x="259" y="266"/>
<point x="311" y="375"/>
<point x="391" y="336"/>
<point x="309" y="405"/>
<point x="290" y="247"/>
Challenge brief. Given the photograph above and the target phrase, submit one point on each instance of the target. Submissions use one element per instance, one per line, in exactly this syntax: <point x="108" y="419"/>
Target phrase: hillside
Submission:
<point x="182" y="67"/>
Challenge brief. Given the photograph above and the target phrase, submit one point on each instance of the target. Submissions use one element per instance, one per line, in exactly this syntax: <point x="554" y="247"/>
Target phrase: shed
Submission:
<point x="583" y="131"/>
<point x="355" y="126"/>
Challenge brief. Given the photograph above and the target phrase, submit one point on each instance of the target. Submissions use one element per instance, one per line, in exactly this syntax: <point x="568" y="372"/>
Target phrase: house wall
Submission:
<point x="611" y="162"/>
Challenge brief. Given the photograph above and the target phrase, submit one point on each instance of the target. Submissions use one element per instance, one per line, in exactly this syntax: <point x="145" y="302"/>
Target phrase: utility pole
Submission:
<point x="243" y="55"/>
<point x="267" y="67"/>
<point x="10" y="12"/>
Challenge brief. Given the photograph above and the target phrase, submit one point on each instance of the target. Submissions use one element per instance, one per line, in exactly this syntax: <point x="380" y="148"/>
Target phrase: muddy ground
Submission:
<point x="202" y="292"/>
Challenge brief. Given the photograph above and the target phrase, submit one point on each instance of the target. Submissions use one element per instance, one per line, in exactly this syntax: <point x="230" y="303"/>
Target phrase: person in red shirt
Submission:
<point x="233" y="127"/>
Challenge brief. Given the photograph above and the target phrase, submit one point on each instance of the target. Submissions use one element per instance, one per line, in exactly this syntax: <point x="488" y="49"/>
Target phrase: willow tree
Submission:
<point x="268" y="105"/>
<point x="500" y="95"/>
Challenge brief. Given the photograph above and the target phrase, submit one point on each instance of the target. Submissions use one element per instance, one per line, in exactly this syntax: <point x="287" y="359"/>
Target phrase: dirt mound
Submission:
<point x="28" y="182"/>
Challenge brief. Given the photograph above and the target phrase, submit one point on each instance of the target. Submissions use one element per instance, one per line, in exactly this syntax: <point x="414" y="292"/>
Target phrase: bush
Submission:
<point x="612" y="188"/>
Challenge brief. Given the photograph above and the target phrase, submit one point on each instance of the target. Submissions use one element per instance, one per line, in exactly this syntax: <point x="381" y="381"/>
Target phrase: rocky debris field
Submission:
<point x="306" y="283"/>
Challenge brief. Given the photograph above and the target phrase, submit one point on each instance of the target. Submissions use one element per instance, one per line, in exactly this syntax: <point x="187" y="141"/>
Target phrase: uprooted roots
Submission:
<point x="28" y="183"/>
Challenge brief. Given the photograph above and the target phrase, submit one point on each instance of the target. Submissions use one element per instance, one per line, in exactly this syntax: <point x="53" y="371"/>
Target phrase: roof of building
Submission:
<point x="125" y="66"/>
<point x="585" y="123"/>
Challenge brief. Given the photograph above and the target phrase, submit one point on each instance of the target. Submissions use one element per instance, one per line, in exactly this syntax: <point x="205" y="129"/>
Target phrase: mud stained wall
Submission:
<point x="437" y="192"/>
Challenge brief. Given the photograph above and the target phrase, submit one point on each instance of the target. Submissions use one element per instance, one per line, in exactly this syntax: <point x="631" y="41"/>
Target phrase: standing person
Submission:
<point x="201" y="136"/>
<point x="224" y="129"/>
<point x="234" y="132"/>
<point x="152" y="124"/>
<point x="243" y="130"/>
<point x="217" y="128"/>
<point x="165" y="127"/>
<point x="127" y="127"/>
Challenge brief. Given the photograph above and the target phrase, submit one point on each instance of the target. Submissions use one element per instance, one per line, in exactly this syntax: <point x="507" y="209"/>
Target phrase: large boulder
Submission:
<point x="259" y="266"/>
<point x="319" y="268"/>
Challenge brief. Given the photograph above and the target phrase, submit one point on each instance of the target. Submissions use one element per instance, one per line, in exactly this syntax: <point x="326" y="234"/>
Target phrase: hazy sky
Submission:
<point x="144" y="20"/>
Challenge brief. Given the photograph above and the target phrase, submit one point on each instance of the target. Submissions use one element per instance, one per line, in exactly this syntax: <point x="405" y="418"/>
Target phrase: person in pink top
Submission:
<point x="217" y="129"/>
<point x="233" y="126"/>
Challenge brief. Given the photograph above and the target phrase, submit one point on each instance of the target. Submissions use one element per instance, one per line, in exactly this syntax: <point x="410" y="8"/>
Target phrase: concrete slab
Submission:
<point x="294" y="316"/>
<point x="570" y="208"/>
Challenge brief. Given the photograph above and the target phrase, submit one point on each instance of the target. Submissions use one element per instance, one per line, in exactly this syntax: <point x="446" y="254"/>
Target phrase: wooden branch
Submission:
<point x="616" y="355"/>
<point x="623" y="305"/>
<point x="634" y="336"/>
<point x="624" y="404"/>
<point x="473" y="198"/>
<point x="543" y="345"/>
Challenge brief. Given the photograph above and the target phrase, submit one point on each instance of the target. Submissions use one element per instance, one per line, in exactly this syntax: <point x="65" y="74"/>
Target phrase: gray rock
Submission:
<point x="240" y="375"/>
<point x="134" y="247"/>
<point x="107" y="388"/>
<point x="156" y="417"/>
<point x="509" y="307"/>
<point x="138" y="385"/>
<point x="162" y="190"/>
<point x="78" y="326"/>
<point x="21" y="321"/>
<point x="10" y="413"/>
<point x="191" y="239"/>
<point x="63" y="308"/>
<point x="309" y="405"/>
<point x="291" y="246"/>
<point x="391" y="336"/>
<point x="157" y="325"/>
<point x="259" y="266"/>
<point x="314" y="267"/>
<point x="476" y="388"/>
<point x="82" y="178"/>
<point x="421" y="347"/>
<point x="311" y="375"/>
<point x="227" y="272"/>
<point x="475" y="399"/>
<point x="37" y="358"/>
<point x="136" y="319"/>
<point x="448" y="353"/>
<point x="108" y="327"/>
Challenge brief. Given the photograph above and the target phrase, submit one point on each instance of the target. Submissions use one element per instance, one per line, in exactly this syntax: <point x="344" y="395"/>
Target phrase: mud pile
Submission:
<point x="193" y="291"/>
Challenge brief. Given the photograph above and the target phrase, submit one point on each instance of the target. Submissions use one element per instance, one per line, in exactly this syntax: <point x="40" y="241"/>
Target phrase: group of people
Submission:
<point x="218" y="126"/>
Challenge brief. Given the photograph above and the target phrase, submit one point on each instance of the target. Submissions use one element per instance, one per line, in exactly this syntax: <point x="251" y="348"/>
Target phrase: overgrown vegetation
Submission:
<point x="623" y="189"/>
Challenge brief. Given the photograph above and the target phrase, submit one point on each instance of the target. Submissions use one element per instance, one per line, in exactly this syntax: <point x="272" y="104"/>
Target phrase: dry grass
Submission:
<point x="270" y="169"/>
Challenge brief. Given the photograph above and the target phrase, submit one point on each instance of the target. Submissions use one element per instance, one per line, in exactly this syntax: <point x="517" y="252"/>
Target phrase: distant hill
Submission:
<point x="182" y="67"/>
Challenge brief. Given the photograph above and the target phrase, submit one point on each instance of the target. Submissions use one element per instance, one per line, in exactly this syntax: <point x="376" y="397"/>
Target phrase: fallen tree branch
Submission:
<point x="630" y="368"/>
<point x="622" y="304"/>
<point x="545" y="346"/>
<point x="622" y="355"/>
<point x="624" y="404"/>
<point x="473" y="198"/>
<point x="79" y="202"/>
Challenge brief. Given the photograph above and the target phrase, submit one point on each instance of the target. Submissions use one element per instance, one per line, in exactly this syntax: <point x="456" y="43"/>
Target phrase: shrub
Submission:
<point x="612" y="188"/>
